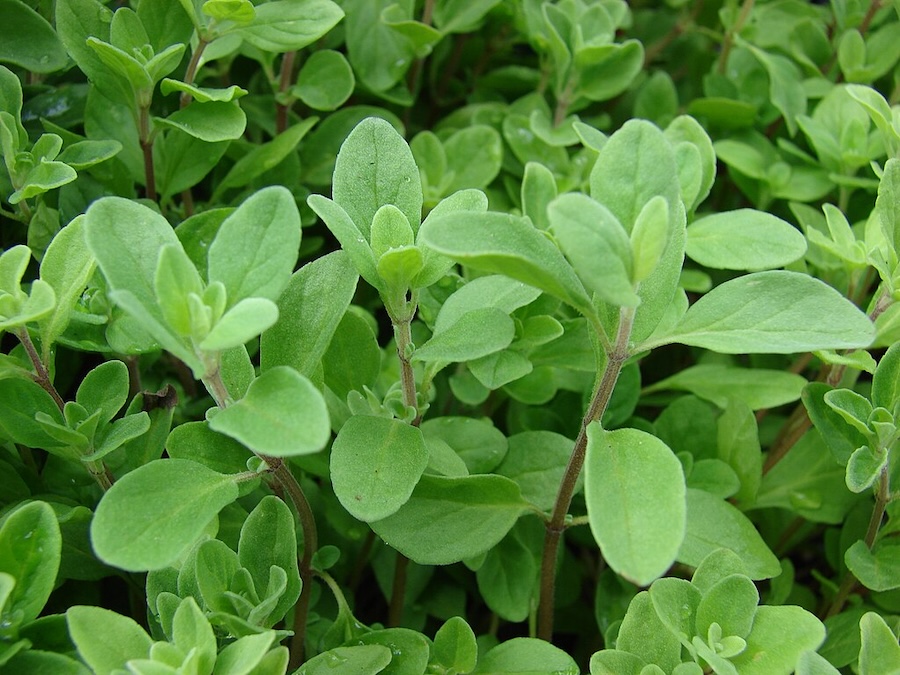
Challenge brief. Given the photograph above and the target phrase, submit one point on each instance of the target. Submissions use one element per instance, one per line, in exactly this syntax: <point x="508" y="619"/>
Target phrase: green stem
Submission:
<point x="146" y="141"/>
<point x="616" y="358"/>
<point x="728" y="42"/>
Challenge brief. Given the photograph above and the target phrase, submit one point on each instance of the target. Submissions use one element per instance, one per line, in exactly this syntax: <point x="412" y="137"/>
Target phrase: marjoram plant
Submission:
<point x="442" y="337"/>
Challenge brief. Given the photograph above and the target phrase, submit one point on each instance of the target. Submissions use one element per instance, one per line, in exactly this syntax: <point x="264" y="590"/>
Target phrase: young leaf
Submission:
<point x="375" y="167"/>
<point x="269" y="538"/>
<point x="745" y="239"/>
<point x="449" y="519"/>
<point x="191" y="630"/>
<point x="244" y="321"/>
<point x="774" y="312"/>
<point x="66" y="267"/>
<point x="635" y="493"/>
<point x="731" y="603"/>
<point x="886" y="381"/>
<point x="153" y="515"/>
<point x="643" y="634"/>
<point x="877" y="569"/>
<point x="779" y="636"/>
<point x="375" y="465"/>
<point x="454" y="645"/>
<point x="256" y="248"/>
<point x="596" y="244"/>
<point x="281" y="415"/>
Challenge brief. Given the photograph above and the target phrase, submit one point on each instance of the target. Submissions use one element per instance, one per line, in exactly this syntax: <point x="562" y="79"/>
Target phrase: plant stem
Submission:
<point x="728" y="42"/>
<point x="146" y="141"/>
<point x="42" y="376"/>
<point x="191" y="73"/>
<point x="398" y="591"/>
<point x="288" y="482"/>
<point x="848" y="583"/>
<point x="284" y="81"/>
<point x="616" y="358"/>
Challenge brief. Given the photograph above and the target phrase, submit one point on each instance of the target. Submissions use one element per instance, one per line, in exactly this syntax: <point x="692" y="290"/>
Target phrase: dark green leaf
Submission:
<point x="30" y="547"/>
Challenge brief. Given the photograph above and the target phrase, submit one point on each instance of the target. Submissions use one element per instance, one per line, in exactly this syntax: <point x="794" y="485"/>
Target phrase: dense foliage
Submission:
<point x="446" y="337"/>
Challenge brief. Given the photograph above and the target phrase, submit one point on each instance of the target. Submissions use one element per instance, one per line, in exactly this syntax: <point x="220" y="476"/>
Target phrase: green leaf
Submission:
<point x="45" y="176"/>
<point x="643" y="634"/>
<point x="20" y="401"/>
<point x="886" y="381"/>
<point x="712" y="524"/>
<point x="375" y="465"/>
<point x="325" y="81"/>
<point x="66" y="267"/>
<point x="507" y="578"/>
<point x="202" y="94"/>
<point x="309" y="312"/>
<point x="154" y="514"/>
<point x="256" y="247"/>
<point x="481" y="445"/>
<point x="191" y="630"/>
<point x="809" y="482"/>
<point x="211" y="121"/>
<point x="247" y="319"/>
<point x="460" y="16"/>
<point x="537" y="460"/>
<point x="474" y="156"/>
<point x="596" y="244"/>
<point x="779" y="636"/>
<point x="757" y="387"/>
<point x="376" y="167"/>
<point x="449" y="519"/>
<point x="244" y="654"/>
<point x="526" y="656"/>
<point x="104" y="388"/>
<point x="745" y="239"/>
<point x="864" y="468"/>
<point x="738" y="445"/>
<point x="877" y="569"/>
<point x="454" y="645"/>
<point x="880" y="652"/>
<point x="475" y="334"/>
<point x="33" y="45"/>
<point x="774" y="312"/>
<point x="538" y="190"/>
<point x="675" y="602"/>
<point x="264" y="157"/>
<point x="281" y="415"/>
<point x="360" y="660"/>
<point x="106" y="641"/>
<point x="812" y="663"/>
<point x="268" y="538"/>
<point x="731" y="603"/>
<point x="30" y="548"/>
<point x="126" y="238"/>
<point x="284" y="26"/>
<point x="410" y="648"/>
<point x="505" y="244"/>
<point x="350" y="237"/>
<point x="635" y="476"/>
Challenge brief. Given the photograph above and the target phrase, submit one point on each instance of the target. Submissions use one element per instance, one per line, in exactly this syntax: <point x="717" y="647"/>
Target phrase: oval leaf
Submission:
<point x="635" y="492"/>
<point x="744" y="239"/>
<point x="448" y="519"/>
<point x="281" y="415"/>
<point x="375" y="464"/>
<point x="776" y="312"/>
<point x="153" y="515"/>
